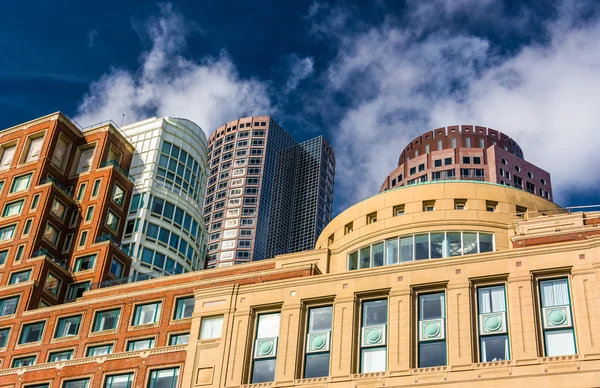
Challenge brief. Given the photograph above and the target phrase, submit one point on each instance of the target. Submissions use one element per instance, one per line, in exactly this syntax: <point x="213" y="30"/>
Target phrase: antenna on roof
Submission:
<point x="122" y="118"/>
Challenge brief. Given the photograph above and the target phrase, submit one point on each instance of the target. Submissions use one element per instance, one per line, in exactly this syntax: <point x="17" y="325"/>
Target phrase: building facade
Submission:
<point x="165" y="230"/>
<point x="485" y="295"/>
<point x="468" y="152"/>
<point x="255" y="164"/>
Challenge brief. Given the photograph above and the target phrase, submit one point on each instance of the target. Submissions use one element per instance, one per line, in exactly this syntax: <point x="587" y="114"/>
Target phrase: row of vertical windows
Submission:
<point x="180" y="169"/>
<point x="173" y="213"/>
<point x="160" y="378"/>
<point x="431" y="342"/>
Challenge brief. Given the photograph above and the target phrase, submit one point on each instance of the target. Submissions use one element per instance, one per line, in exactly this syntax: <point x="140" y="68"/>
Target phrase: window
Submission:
<point x="112" y="221"/>
<point x="31" y="332"/>
<point x="521" y="211"/>
<point x="116" y="268"/>
<point x="62" y="148"/>
<point x="413" y="170"/>
<point x="67" y="327"/>
<point x="63" y="355"/>
<point x="82" y="238"/>
<point x="23" y="361"/>
<point x="51" y="234"/>
<point x="468" y="142"/>
<point x="476" y="160"/>
<point x="106" y="320"/>
<point x="428" y="206"/>
<point x="19" y="277"/>
<point x="432" y="330"/>
<point x="89" y="214"/>
<point x="265" y="348"/>
<point x="21" y="183"/>
<point x="34" y="148"/>
<point x="119" y="381"/>
<point x="447" y="161"/>
<point x="74" y="218"/>
<point x="118" y="195"/>
<point x="8" y="154"/>
<point x="13" y="208"/>
<point x="146" y="314"/>
<point x="373" y="349"/>
<point x="460" y="204"/>
<point x="4" y="332"/>
<point x="453" y="142"/>
<point x="85" y="160"/>
<point x="557" y="320"/>
<point x="491" y="206"/>
<point x="140" y="344"/>
<point x="19" y="253"/>
<point x="211" y="327"/>
<point x="318" y="340"/>
<point x="80" y="383"/>
<point x="3" y="254"/>
<point x="348" y="228"/>
<point x="52" y="284"/>
<point x="371" y="218"/>
<point x="184" y="307"/>
<point x="98" y="350"/>
<point x="76" y="290"/>
<point x="7" y="232"/>
<point x="167" y="378"/>
<point x="8" y="306"/>
<point x="84" y="263"/>
<point x="437" y="163"/>
<point x="179" y="339"/>
<point x="493" y="327"/>
<point x="81" y="192"/>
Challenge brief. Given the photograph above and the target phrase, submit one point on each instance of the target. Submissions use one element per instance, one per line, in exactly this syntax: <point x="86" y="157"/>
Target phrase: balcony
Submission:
<point x="118" y="244"/>
<point x="62" y="263"/>
<point x="130" y="279"/>
<point x="117" y="167"/>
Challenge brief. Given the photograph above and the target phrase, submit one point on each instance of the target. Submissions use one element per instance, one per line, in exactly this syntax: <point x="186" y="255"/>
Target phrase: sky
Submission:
<point x="368" y="75"/>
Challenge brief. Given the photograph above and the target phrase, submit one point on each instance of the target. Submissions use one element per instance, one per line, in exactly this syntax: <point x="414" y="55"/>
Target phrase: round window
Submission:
<point x="517" y="168"/>
<point x="543" y="181"/>
<point x="504" y="162"/>
<point x="530" y="175"/>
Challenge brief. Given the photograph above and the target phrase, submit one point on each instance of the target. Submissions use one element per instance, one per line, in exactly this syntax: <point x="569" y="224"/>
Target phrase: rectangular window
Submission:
<point x="141" y="344"/>
<point x="63" y="355"/>
<point x="8" y="154"/>
<point x="211" y="327"/>
<point x="179" y="339"/>
<point x="373" y="336"/>
<point x="13" y="208"/>
<point x="184" y="307"/>
<point x="447" y="161"/>
<point x="22" y="361"/>
<point x="348" y="228"/>
<point x="27" y="227"/>
<point x="460" y="204"/>
<point x="493" y="327"/>
<point x="21" y="183"/>
<point x="265" y="348"/>
<point x="84" y="263"/>
<point x="82" y="238"/>
<point x="60" y="154"/>
<point x="557" y="319"/>
<point x="7" y="232"/>
<point x="4" y="333"/>
<point x="112" y="221"/>
<point x="34" y="149"/>
<point x="146" y="314"/>
<point x="318" y="340"/>
<point x="89" y="214"/>
<point x="118" y="195"/>
<point x="31" y="332"/>
<point x="432" y="330"/>
<point x="74" y="218"/>
<point x="3" y="255"/>
<point x="85" y="160"/>
<point x="19" y="253"/>
<point x="371" y="218"/>
<point x="476" y="160"/>
<point x="52" y="284"/>
<point x="98" y="350"/>
<point x="167" y="378"/>
<point x="81" y="192"/>
<point x="96" y="188"/>
<point x="8" y="306"/>
<point x="106" y="320"/>
<point x="119" y="381"/>
<point x="51" y="234"/>
<point x="428" y="206"/>
<point x="116" y="268"/>
<point x="76" y="290"/>
<point x="19" y="277"/>
<point x="80" y="383"/>
<point x="67" y="327"/>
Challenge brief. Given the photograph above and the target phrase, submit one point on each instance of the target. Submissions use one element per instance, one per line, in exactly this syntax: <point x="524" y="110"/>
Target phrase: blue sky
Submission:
<point x="369" y="75"/>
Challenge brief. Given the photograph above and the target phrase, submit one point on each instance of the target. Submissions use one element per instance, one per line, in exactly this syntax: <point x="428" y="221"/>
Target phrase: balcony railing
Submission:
<point x="68" y="191"/>
<point x="44" y="252"/>
<point x="118" y="167"/>
<point x="170" y="187"/>
<point x="130" y="279"/>
<point x="118" y="244"/>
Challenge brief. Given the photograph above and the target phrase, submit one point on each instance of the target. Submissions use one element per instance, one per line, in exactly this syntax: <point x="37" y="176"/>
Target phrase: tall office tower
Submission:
<point x="467" y="152"/>
<point x="165" y="231"/>
<point x="64" y="192"/>
<point x="245" y="157"/>
<point x="302" y="201"/>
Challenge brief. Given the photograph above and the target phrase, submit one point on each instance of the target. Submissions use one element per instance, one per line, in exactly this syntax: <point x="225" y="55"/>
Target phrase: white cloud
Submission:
<point x="299" y="69"/>
<point x="209" y="92"/>
<point x="399" y="84"/>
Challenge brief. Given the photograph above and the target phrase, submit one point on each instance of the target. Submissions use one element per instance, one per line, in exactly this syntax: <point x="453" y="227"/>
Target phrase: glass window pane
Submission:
<point x="353" y="261"/>
<point x="554" y="292"/>
<point x="319" y="318"/>
<point x="486" y="242"/>
<point x="454" y="246"/>
<point x="437" y="245"/>
<point x="164" y="378"/>
<point x="373" y="360"/>
<point x="212" y="327"/>
<point x="491" y="299"/>
<point x="469" y="244"/>
<point x="378" y="255"/>
<point x="391" y="251"/>
<point x="432" y="354"/>
<point x="374" y="312"/>
<point x="560" y="343"/>
<point x="494" y="348"/>
<point x="431" y="306"/>
<point x="317" y="365"/>
<point x="421" y="247"/>
<point x="365" y="257"/>
<point x="263" y="371"/>
<point x="406" y="249"/>
<point x="268" y="325"/>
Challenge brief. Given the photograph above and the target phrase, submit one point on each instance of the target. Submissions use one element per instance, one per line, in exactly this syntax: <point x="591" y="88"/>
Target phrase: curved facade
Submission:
<point x="512" y="300"/>
<point x="165" y="230"/>
<point x="467" y="152"/>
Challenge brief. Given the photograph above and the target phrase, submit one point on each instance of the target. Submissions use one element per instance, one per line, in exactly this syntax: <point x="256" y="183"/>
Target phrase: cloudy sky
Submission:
<point x="369" y="75"/>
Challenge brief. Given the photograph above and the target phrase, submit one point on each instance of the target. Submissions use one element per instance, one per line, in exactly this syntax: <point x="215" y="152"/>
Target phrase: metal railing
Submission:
<point x="68" y="191"/>
<point x="118" y="167"/>
<point x="131" y="279"/>
<point x="118" y="244"/>
<point x="44" y="252"/>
